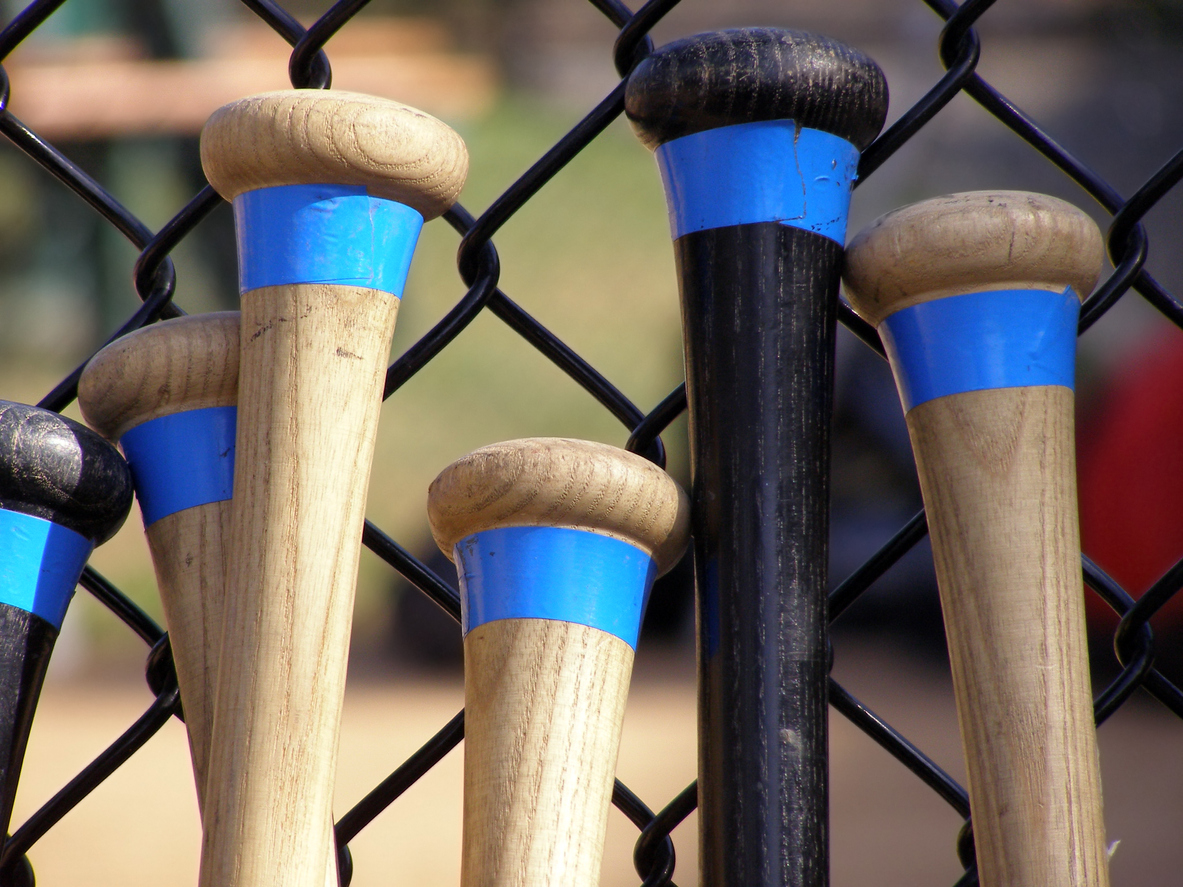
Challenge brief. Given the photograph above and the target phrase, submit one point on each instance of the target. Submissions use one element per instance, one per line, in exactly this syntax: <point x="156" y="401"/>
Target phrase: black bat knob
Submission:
<point x="753" y="74"/>
<point x="54" y="468"/>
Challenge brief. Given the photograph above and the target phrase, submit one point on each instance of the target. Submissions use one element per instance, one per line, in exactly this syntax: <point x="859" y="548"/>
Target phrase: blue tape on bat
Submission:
<point x="978" y="341"/>
<point x="40" y="563"/>
<point x="554" y="573"/>
<point x="770" y="171"/>
<point x="182" y="461"/>
<point x="335" y="234"/>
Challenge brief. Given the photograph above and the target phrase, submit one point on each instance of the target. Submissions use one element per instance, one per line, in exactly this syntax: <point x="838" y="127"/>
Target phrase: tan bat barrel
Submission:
<point x="167" y="393"/>
<point x="557" y="543"/>
<point x="329" y="191"/>
<point x="976" y="297"/>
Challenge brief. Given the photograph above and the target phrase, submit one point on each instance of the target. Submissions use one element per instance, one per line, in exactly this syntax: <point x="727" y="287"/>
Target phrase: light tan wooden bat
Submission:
<point x="182" y="366"/>
<point x="327" y="188"/>
<point x="969" y="293"/>
<point x="176" y="367"/>
<point x="557" y="542"/>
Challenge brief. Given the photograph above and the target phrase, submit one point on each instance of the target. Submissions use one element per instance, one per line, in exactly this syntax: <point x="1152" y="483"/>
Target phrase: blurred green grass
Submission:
<point x="589" y="257"/>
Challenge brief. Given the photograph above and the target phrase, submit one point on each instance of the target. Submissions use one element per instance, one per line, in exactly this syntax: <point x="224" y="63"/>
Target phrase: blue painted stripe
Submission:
<point x="182" y="461"/>
<point x="554" y="573"/>
<point x="770" y="171"/>
<point x="40" y="563"/>
<point x="323" y="234"/>
<point x="978" y="341"/>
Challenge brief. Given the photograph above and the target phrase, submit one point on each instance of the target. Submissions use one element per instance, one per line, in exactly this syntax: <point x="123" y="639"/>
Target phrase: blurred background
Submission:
<point x="123" y="87"/>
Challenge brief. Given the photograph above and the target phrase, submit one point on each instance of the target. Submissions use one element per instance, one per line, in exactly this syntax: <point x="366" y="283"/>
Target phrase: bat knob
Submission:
<point x="167" y="394"/>
<point x="975" y="241"/>
<point x="55" y="469"/>
<point x="554" y="482"/>
<point x="188" y="363"/>
<point x="749" y="75"/>
<point x="310" y="137"/>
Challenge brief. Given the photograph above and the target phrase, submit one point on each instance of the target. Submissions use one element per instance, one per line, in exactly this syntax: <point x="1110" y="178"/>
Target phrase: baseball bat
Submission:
<point x="976" y="297"/>
<point x="557" y="543"/>
<point x="167" y="394"/>
<point x="757" y="134"/>
<point x="330" y="190"/>
<point x="63" y="490"/>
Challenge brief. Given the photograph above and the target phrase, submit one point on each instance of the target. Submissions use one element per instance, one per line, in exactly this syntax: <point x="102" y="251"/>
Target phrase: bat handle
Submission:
<point x="63" y="490"/>
<point x="757" y="134"/>
<point x="168" y="394"/>
<point x="976" y="297"/>
<point x="557" y="543"/>
<point x="330" y="190"/>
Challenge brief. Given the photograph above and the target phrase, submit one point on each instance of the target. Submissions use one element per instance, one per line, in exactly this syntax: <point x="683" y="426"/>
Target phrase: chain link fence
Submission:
<point x="960" y="50"/>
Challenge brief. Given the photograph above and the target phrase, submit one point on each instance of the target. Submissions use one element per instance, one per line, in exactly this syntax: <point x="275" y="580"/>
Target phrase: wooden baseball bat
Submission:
<point x="168" y="393"/>
<point x="330" y="190"/>
<point x="976" y="297"/>
<point x="557" y="543"/>
<point x="63" y="490"/>
<point x="757" y="134"/>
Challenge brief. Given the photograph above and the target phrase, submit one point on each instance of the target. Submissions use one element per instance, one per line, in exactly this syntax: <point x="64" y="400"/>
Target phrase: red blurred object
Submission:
<point x="1131" y="480"/>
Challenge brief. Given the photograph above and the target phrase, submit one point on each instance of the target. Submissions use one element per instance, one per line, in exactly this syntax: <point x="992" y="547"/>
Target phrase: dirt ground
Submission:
<point x="141" y="826"/>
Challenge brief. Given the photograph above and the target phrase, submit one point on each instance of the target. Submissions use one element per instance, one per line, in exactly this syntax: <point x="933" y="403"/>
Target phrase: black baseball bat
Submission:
<point x="63" y="490"/>
<point x="757" y="133"/>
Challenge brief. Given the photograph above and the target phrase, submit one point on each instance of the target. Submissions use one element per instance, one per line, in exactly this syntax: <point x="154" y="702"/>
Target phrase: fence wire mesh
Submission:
<point x="960" y="49"/>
